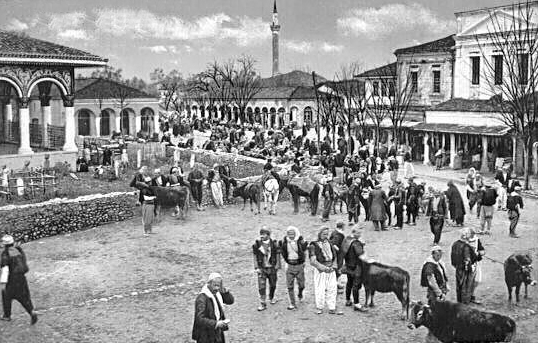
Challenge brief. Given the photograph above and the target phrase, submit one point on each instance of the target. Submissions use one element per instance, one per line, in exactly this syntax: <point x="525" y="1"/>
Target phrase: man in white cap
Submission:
<point x="329" y="195"/>
<point x="209" y="319"/>
<point x="159" y="179"/>
<point x="465" y="255"/>
<point x="433" y="276"/>
<point x="353" y="251"/>
<point x="293" y="250"/>
<point x="12" y="279"/>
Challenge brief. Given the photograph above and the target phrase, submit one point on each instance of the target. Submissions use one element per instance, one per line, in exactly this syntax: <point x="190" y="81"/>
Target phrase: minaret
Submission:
<point x="275" y="29"/>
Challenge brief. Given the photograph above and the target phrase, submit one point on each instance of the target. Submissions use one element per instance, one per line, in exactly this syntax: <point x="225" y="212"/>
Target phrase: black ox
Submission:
<point x="248" y="191"/>
<point x="517" y="271"/>
<point x="454" y="322"/>
<point x="377" y="277"/>
<point x="171" y="197"/>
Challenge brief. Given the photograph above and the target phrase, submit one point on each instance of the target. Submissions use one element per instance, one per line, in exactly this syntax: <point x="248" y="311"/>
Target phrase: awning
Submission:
<point x="387" y="123"/>
<point x="463" y="129"/>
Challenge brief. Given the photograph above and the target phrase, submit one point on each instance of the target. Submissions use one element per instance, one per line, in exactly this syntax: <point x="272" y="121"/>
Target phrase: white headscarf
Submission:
<point x="214" y="297"/>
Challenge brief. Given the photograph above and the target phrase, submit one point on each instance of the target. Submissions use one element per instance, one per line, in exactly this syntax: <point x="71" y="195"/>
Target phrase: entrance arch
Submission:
<point x="104" y="128"/>
<point x="147" y="120"/>
<point x="125" y="121"/>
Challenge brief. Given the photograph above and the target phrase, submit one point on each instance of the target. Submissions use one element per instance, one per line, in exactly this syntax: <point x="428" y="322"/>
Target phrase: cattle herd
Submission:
<point x="447" y="321"/>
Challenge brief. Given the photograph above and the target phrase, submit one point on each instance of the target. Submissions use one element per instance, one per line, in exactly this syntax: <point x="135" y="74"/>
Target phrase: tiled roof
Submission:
<point x="104" y="89"/>
<point x="275" y="93"/>
<point x="294" y="78"/>
<point x="307" y="93"/>
<point x="463" y="129"/>
<point x="467" y="105"/>
<point x="441" y="45"/>
<point x="15" y="45"/>
<point x="383" y="71"/>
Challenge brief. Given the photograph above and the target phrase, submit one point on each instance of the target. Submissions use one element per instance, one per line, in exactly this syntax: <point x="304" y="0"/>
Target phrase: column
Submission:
<point x="47" y="118"/>
<point x="138" y="122"/>
<point x="484" y="168"/>
<point x="452" y="149"/>
<point x="426" y="150"/>
<point x="69" y="144"/>
<point x="98" y="125"/>
<point x="24" y="123"/>
<point x="157" y="128"/>
<point x="118" y="122"/>
<point x="443" y="140"/>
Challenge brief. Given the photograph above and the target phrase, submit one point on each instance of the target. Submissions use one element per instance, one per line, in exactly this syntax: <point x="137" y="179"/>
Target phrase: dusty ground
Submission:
<point x="111" y="284"/>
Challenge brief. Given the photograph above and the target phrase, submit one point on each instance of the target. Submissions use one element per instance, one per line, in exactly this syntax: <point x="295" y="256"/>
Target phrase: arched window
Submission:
<point x="147" y="116"/>
<point x="105" y="123"/>
<point x="84" y="123"/>
<point x="307" y="115"/>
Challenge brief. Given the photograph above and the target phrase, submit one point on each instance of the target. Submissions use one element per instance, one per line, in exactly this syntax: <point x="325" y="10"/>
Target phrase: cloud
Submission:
<point x="305" y="47"/>
<point x="161" y="49"/>
<point x="388" y="19"/>
<point x="73" y="35"/>
<point x="299" y="46"/>
<point x="60" y="22"/>
<point x="147" y="25"/>
<point x="328" y="47"/>
<point x="16" y="25"/>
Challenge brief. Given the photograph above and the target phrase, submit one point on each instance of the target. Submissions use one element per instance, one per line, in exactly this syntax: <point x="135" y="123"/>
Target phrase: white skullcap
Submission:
<point x="214" y="276"/>
<point x="436" y="248"/>
<point x="7" y="239"/>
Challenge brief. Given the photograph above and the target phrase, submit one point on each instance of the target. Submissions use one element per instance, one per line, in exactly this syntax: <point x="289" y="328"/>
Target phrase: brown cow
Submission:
<point x="167" y="197"/>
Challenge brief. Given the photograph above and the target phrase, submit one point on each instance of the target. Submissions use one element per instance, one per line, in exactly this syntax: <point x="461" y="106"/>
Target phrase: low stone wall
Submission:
<point x="240" y="166"/>
<point x="33" y="221"/>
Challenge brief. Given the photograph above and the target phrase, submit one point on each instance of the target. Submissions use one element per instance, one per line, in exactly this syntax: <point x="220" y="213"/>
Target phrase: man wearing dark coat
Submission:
<point x="352" y="249"/>
<point x="437" y="213"/>
<point x="412" y="202"/>
<point x="398" y="197"/>
<point x="377" y="204"/>
<point x="195" y="179"/>
<point x="455" y="204"/>
<point x="13" y="282"/>
<point x="209" y="319"/>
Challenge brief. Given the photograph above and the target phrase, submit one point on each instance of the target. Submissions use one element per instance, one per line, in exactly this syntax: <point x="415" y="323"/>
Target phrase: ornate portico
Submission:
<point x="32" y="69"/>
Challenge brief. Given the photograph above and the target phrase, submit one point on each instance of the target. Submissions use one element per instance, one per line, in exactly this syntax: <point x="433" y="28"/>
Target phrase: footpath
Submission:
<point x="458" y="176"/>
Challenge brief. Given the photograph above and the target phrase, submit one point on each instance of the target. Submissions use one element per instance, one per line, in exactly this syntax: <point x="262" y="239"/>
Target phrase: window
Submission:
<point x="498" y="62"/>
<point x="392" y="91"/>
<point x="523" y="66"/>
<point x="414" y="81"/>
<point x="375" y="85"/>
<point x="475" y="64"/>
<point x="437" y="81"/>
<point x="384" y="88"/>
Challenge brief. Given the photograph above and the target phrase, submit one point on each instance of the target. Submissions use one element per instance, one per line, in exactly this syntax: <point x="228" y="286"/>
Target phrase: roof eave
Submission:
<point x="54" y="61"/>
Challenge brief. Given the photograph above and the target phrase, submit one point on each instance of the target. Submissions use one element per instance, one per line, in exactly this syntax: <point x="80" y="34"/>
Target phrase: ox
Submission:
<point x="385" y="279"/>
<point x="454" y="322"/>
<point x="247" y="191"/>
<point x="168" y="197"/>
<point x="517" y="270"/>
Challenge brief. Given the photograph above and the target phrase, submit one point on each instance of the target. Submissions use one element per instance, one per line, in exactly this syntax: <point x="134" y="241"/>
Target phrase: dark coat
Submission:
<point x="376" y="202"/>
<point x="440" y="210"/>
<point x="302" y="246"/>
<point x="204" y="330"/>
<point x="455" y="203"/>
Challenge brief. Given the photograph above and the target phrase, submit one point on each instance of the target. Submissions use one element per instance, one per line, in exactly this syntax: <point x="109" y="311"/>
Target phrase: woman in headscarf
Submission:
<point x="214" y="180"/>
<point x="455" y="204"/>
<point x="324" y="260"/>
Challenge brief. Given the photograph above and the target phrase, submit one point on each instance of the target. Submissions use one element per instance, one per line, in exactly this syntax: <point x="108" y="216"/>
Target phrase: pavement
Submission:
<point x="458" y="176"/>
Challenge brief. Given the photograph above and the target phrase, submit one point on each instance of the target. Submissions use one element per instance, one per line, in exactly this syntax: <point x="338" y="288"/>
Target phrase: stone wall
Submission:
<point x="33" y="221"/>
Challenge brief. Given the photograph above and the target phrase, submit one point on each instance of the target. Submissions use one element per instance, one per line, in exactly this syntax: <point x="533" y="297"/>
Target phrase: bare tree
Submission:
<point x="353" y="96"/>
<point x="329" y="106"/>
<point x="170" y="86"/>
<point x="244" y="83"/>
<point x="512" y="75"/>
<point x="215" y="86"/>
<point x="121" y="94"/>
<point x="399" y="93"/>
<point x="378" y="107"/>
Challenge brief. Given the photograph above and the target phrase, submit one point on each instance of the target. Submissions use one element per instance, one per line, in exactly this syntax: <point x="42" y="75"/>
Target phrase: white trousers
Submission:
<point x="325" y="289"/>
<point x="501" y="200"/>
<point x="216" y="191"/>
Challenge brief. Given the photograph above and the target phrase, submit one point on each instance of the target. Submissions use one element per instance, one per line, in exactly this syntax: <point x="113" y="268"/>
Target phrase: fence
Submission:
<point x="149" y="150"/>
<point x="28" y="183"/>
<point x="56" y="135"/>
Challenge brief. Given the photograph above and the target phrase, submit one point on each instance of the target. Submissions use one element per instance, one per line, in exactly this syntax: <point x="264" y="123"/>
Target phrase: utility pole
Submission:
<point x="317" y="109"/>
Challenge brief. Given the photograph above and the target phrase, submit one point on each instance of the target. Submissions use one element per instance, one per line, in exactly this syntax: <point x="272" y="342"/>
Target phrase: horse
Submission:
<point x="247" y="191"/>
<point x="271" y="189"/>
<point x="296" y="192"/>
